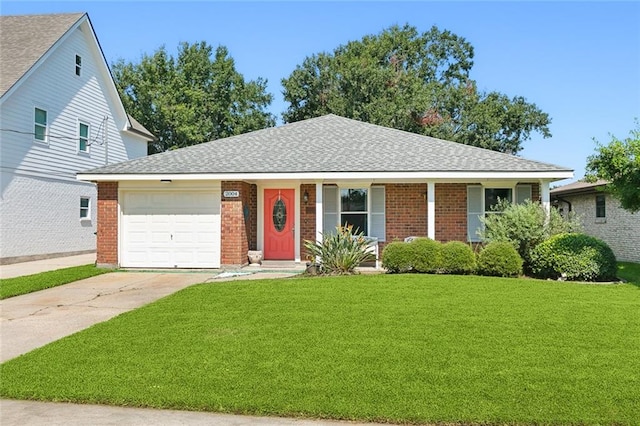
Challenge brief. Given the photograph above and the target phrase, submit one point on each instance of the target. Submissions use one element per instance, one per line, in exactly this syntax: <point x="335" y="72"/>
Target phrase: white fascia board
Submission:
<point x="374" y="177"/>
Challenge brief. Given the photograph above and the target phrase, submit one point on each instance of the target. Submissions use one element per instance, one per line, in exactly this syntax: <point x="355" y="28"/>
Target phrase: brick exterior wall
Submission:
<point x="107" y="246"/>
<point x="451" y="212"/>
<point x="238" y="223"/>
<point x="405" y="211"/>
<point x="620" y="229"/>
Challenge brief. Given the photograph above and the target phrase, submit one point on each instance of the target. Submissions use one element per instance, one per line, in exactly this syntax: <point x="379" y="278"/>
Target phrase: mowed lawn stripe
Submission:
<point x="401" y="348"/>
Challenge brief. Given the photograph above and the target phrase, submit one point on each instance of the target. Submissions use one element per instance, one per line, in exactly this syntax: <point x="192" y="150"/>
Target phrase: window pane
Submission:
<point x="40" y="132"/>
<point x="84" y="202"/>
<point x="78" y="60"/>
<point x="41" y="117"/>
<point x="358" y="221"/>
<point x="353" y="200"/>
<point x="600" y="206"/>
<point x="84" y="131"/>
<point x="492" y="195"/>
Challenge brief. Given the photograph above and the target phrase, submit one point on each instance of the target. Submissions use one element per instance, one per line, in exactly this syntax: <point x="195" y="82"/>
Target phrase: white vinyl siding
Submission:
<point x="373" y="210"/>
<point x="480" y="201"/>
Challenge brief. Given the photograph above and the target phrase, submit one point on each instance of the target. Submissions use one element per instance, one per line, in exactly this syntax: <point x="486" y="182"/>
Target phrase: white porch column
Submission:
<point x="545" y="197"/>
<point x="431" y="210"/>
<point x="319" y="212"/>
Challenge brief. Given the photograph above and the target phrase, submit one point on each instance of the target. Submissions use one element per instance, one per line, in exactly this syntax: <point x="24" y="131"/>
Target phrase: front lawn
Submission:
<point x="397" y="348"/>
<point x="10" y="287"/>
<point x="629" y="272"/>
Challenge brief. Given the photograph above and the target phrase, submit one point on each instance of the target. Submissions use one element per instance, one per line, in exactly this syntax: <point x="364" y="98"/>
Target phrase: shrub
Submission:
<point x="397" y="257"/>
<point x="340" y="252"/>
<point x="574" y="256"/>
<point x="457" y="258"/>
<point x="499" y="259"/>
<point x="426" y="255"/>
<point x="525" y="226"/>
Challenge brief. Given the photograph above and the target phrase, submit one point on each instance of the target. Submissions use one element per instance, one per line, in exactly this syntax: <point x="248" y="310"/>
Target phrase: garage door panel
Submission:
<point x="171" y="229"/>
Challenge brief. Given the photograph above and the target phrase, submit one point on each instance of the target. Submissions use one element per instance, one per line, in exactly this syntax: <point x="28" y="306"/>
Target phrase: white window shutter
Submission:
<point x="475" y="211"/>
<point x="330" y="209"/>
<point x="378" y="222"/>
<point x="523" y="193"/>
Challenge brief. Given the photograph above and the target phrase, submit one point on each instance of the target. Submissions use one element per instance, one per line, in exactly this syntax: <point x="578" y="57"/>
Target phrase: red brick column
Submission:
<point x="235" y="232"/>
<point x="307" y="217"/>
<point x="107" y="234"/>
<point x="451" y="212"/>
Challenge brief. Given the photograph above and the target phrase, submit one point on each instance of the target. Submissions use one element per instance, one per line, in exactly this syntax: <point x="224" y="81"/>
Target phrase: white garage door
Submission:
<point x="176" y="229"/>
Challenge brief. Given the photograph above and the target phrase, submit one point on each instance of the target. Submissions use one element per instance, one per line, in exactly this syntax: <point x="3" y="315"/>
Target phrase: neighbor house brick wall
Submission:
<point x="107" y="226"/>
<point x="238" y="223"/>
<point x="405" y="210"/>
<point x="451" y="212"/>
<point x="307" y="217"/>
<point x="620" y="229"/>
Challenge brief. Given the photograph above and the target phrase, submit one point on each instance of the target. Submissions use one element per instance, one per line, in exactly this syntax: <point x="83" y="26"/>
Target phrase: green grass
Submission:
<point x="629" y="272"/>
<point x="10" y="287"/>
<point x="397" y="348"/>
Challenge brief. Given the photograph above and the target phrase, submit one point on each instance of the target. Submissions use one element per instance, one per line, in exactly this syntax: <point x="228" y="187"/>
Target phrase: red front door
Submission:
<point x="279" y="219"/>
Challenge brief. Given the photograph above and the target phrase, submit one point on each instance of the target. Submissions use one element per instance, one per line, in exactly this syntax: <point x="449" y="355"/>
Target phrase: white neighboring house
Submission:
<point x="601" y="216"/>
<point x="60" y="113"/>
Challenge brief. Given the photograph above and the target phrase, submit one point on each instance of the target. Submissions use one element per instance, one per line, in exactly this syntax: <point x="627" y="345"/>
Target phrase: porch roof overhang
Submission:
<point x="377" y="177"/>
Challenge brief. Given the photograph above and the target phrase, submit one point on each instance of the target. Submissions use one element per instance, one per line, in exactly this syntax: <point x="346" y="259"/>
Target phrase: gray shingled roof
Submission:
<point x="327" y="144"/>
<point x="26" y="38"/>
<point x="578" y="187"/>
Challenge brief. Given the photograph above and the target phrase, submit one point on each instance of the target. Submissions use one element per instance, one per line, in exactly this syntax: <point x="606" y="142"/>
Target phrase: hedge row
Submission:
<point x="569" y="256"/>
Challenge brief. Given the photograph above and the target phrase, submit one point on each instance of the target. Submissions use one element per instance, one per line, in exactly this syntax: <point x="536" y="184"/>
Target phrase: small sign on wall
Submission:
<point x="231" y="194"/>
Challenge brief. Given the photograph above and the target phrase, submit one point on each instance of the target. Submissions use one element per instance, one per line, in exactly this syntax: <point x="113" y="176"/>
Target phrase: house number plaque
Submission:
<point x="231" y="194"/>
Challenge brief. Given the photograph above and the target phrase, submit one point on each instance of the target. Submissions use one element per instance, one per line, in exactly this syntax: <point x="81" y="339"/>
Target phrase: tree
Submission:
<point x="619" y="164"/>
<point x="414" y="82"/>
<point x="192" y="98"/>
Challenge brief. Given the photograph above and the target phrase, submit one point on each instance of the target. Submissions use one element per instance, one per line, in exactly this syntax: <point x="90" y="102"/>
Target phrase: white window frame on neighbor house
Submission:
<point x="477" y="204"/>
<point x="78" y="65"/>
<point x="334" y="215"/>
<point x="37" y="125"/>
<point x="81" y="138"/>
<point x="85" y="211"/>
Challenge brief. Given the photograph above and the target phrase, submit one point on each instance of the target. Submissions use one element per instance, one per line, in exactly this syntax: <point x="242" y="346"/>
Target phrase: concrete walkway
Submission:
<point x="53" y="413"/>
<point x="36" y="266"/>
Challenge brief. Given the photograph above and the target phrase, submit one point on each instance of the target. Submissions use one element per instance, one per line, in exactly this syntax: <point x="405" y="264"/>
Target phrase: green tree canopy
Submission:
<point x="195" y="97"/>
<point x="619" y="164"/>
<point x="414" y="82"/>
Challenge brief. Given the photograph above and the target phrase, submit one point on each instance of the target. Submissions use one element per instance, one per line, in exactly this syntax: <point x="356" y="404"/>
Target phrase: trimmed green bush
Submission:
<point x="457" y="258"/>
<point x="397" y="257"/>
<point x="574" y="256"/>
<point x="426" y="252"/>
<point x="499" y="259"/>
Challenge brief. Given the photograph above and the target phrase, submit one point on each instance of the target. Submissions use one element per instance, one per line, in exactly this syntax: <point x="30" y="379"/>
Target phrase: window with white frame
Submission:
<point x="78" y="65"/>
<point x="40" y="125"/>
<point x="482" y="201"/>
<point x="85" y="212"/>
<point x="83" y="137"/>
<point x="362" y="208"/>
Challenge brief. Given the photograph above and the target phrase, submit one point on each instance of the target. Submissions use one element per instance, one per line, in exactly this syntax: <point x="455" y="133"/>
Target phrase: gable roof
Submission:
<point x="579" y="187"/>
<point x="326" y="145"/>
<point x="25" y="40"/>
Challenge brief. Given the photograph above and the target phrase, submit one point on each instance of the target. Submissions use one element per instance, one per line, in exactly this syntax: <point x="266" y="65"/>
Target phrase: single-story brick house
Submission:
<point x="206" y="205"/>
<point x="601" y="216"/>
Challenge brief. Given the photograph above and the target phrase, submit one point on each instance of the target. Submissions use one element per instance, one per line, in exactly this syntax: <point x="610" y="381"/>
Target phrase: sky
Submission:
<point x="577" y="61"/>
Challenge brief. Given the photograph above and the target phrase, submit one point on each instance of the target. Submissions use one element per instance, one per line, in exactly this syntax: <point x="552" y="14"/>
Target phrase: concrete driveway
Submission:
<point x="33" y="320"/>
